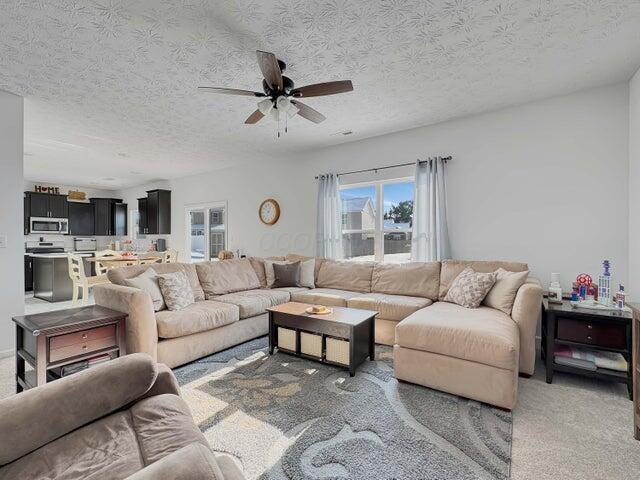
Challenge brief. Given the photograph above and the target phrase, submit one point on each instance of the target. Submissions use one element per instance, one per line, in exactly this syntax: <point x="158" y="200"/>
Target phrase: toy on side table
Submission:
<point x="587" y="295"/>
<point x="604" y="285"/>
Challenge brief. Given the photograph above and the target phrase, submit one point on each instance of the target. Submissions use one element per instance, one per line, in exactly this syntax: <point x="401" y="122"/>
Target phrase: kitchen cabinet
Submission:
<point x="119" y="212"/>
<point x="105" y="212"/>
<point x="46" y="205"/>
<point x="81" y="218"/>
<point x="28" y="273"/>
<point x="155" y="213"/>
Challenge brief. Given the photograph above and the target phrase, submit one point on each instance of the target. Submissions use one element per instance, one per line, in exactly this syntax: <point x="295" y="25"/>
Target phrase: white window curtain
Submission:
<point x="329" y="217"/>
<point x="430" y="238"/>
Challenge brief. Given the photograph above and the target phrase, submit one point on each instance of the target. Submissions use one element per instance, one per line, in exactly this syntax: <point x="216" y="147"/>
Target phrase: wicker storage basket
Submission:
<point x="337" y="351"/>
<point x="311" y="344"/>
<point x="287" y="339"/>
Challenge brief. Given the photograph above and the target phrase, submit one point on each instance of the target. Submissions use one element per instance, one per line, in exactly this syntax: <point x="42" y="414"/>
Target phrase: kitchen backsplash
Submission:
<point x="141" y="244"/>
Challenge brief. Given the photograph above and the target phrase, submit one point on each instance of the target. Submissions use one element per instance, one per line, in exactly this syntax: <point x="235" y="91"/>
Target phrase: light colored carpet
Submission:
<point x="575" y="428"/>
<point x="289" y="418"/>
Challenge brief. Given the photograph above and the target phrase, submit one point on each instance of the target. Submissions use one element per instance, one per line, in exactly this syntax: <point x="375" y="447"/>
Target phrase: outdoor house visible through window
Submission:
<point x="376" y="220"/>
<point x="206" y="231"/>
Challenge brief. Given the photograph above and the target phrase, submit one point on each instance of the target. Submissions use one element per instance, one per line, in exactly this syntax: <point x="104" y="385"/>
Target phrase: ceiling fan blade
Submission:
<point x="308" y="112"/>
<point x="231" y="91"/>
<point x="270" y="69"/>
<point x="320" y="89"/>
<point x="255" y="117"/>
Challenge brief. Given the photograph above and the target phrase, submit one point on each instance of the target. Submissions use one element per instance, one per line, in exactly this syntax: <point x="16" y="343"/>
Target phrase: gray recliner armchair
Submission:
<point x="121" y="420"/>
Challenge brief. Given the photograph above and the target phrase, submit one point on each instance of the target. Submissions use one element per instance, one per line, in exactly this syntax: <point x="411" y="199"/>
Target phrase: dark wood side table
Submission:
<point x="50" y="340"/>
<point x="636" y="369"/>
<point x="605" y="330"/>
<point x="350" y="330"/>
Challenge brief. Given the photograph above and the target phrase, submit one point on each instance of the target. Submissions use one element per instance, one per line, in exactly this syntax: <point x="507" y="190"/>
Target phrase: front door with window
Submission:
<point x="206" y="231"/>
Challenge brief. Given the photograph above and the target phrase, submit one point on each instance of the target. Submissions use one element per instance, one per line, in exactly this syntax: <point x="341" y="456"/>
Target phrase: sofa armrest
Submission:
<point x="40" y="415"/>
<point x="141" y="329"/>
<point x="526" y="312"/>
<point x="166" y="382"/>
<point x="193" y="462"/>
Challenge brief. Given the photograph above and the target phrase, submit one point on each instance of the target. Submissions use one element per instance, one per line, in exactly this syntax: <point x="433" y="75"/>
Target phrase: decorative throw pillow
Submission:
<point x="268" y="270"/>
<point x="470" y="287"/>
<point x="148" y="281"/>
<point x="287" y="275"/>
<point x="176" y="290"/>
<point x="504" y="291"/>
<point x="308" y="273"/>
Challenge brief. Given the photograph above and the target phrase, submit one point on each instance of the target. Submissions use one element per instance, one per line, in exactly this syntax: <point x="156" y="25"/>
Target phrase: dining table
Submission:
<point x="113" y="261"/>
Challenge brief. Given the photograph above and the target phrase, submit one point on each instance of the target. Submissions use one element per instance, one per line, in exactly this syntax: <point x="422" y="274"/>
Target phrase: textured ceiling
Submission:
<point x="110" y="85"/>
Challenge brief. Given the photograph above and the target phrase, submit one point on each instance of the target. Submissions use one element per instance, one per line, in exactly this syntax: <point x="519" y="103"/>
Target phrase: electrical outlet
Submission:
<point x="3" y="241"/>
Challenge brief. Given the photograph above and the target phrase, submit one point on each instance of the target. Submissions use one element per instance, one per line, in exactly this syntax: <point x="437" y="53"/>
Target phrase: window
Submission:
<point x="206" y="231"/>
<point x="376" y="221"/>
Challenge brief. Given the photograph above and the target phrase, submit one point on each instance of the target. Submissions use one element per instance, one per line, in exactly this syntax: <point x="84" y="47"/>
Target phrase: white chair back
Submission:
<point x="101" y="269"/>
<point x="76" y="268"/>
<point x="171" y="256"/>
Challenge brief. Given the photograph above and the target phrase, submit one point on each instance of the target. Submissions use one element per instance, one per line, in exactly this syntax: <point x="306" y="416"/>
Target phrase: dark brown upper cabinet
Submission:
<point x="155" y="213"/>
<point x="110" y="217"/>
<point x="46" y="205"/>
<point x="81" y="218"/>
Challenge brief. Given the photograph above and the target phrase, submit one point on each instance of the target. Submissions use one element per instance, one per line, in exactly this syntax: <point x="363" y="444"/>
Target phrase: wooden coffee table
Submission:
<point x="344" y="337"/>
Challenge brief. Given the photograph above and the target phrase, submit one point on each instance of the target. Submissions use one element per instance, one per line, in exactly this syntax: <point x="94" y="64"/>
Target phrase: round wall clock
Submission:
<point x="269" y="211"/>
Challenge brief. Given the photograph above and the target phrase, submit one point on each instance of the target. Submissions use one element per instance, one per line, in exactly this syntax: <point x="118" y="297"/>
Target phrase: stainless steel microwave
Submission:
<point x="49" y="225"/>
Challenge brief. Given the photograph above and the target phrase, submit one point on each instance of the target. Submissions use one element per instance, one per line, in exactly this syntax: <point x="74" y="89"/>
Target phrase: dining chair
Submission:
<point x="103" y="267"/>
<point x="80" y="279"/>
<point x="170" y="256"/>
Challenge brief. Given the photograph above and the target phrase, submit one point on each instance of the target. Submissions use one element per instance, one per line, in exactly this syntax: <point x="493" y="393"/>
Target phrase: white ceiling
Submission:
<point x="110" y="85"/>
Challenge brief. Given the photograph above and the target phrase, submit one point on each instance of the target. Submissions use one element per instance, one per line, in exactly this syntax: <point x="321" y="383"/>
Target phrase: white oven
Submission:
<point x="48" y="225"/>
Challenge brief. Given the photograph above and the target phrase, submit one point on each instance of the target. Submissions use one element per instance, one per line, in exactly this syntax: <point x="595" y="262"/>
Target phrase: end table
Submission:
<point x="604" y="330"/>
<point x="50" y="340"/>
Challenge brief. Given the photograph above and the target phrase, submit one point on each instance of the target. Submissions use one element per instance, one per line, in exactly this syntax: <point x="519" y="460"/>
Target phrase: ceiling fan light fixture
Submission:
<point x="293" y="110"/>
<point x="275" y="114"/>
<point x="265" y="106"/>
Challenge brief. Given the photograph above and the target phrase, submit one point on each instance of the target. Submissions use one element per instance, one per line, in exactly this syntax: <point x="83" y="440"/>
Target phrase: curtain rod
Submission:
<point x="446" y="159"/>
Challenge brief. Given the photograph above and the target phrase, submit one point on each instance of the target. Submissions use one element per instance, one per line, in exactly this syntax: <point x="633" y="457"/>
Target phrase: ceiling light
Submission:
<point x="283" y="104"/>
<point x="265" y="106"/>
<point x="275" y="114"/>
<point x="293" y="110"/>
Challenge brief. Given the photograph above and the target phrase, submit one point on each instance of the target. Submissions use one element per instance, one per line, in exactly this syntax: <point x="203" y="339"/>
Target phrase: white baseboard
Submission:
<point x="7" y="353"/>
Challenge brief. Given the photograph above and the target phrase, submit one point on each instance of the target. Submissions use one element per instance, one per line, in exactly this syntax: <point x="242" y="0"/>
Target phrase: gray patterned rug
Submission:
<point x="281" y="417"/>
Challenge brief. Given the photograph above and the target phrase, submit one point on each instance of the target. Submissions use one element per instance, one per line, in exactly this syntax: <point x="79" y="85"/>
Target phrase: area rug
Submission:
<point x="281" y="417"/>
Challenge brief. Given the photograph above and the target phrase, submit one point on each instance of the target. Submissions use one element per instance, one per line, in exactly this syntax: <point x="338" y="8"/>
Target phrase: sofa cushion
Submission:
<point x="470" y="287"/>
<point x="286" y="275"/>
<point x="345" y="275"/>
<point x="450" y="269"/>
<point x="504" y="291"/>
<point x="323" y="296"/>
<point x="482" y="335"/>
<point x="175" y="290"/>
<point x="227" y="276"/>
<point x="115" y="446"/>
<point x="255" y="302"/>
<point x="163" y="424"/>
<point x="197" y="317"/>
<point x="416" y="279"/>
<point x="389" y="307"/>
<point x="118" y="275"/>
<point x="148" y="281"/>
<point x="257" y="264"/>
<point x="106" y="448"/>
<point x="294" y="257"/>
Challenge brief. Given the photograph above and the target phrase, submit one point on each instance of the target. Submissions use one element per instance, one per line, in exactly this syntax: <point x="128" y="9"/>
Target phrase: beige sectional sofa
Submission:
<point x="476" y="353"/>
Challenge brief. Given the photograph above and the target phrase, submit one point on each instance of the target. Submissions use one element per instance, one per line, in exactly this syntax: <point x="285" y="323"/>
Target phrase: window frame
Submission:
<point x="378" y="239"/>
<point x="207" y="232"/>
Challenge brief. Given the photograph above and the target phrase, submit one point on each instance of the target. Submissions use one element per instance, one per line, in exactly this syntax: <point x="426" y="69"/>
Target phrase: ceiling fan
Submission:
<point x="280" y="93"/>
